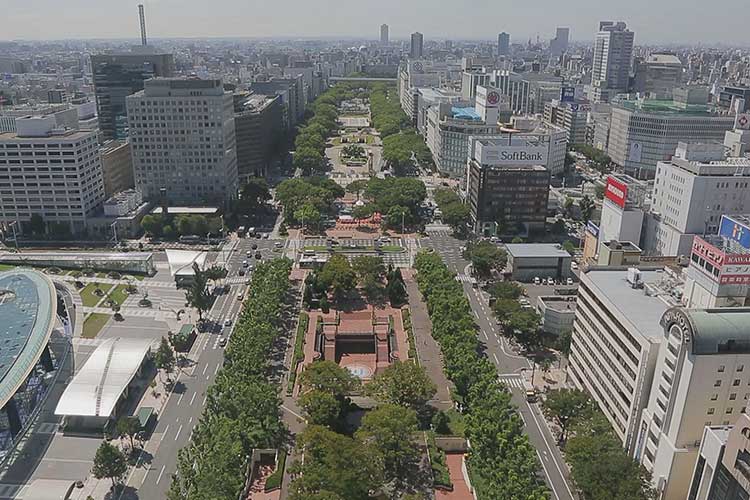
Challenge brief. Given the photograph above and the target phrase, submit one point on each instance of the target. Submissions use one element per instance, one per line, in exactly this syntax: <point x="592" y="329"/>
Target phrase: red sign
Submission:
<point x="710" y="253"/>
<point x="737" y="258"/>
<point x="616" y="191"/>
<point x="734" y="279"/>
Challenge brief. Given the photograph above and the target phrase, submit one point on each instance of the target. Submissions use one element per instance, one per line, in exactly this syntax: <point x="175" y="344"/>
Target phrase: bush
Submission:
<point x="299" y="354"/>
<point x="441" y="475"/>
<point x="273" y="481"/>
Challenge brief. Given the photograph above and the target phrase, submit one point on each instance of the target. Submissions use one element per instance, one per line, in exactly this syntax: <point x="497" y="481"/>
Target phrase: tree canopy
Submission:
<point x="109" y="462"/>
<point x="402" y="383"/>
<point x="338" y="276"/>
<point x="485" y="257"/>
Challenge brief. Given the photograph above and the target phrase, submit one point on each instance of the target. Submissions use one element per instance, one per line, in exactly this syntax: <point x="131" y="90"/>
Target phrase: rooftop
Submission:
<point x="641" y="307"/>
<point x="536" y="250"/>
<point x="718" y="331"/>
<point x="28" y="307"/>
<point x="465" y="113"/>
<point x="666" y="107"/>
<point x="98" y="385"/>
<point x="187" y="210"/>
<point x="625" y="246"/>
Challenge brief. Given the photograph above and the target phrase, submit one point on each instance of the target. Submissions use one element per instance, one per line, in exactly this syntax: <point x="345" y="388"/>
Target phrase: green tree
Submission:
<point x="109" y="462"/>
<point x="36" y="224"/>
<point x="402" y="383"/>
<point x="153" y="224"/>
<point x="599" y="192"/>
<point x="457" y="216"/>
<point x="566" y="407"/>
<point x="254" y="195"/>
<point x="390" y="429"/>
<point x="309" y="216"/>
<point x="322" y="408"/>
<point x="523" y="325"/>
<point x="357" y="186"/>
<point x="362" y="211"/>
<point x="130" y="427"/>
<point x="568" y="206"/>
<point x="368" y="266"/>
<point x="601" y="468"/>
<point x="485" y="257"/>
<point x="164" y="357"/>
<point x="338" y="276"/>
<point x="587" y="207"/>
<point x="396" y="217"/>
<point x="569" y="247"/>
<point x="395" y="288"/>
<point x="326" y="376"/>
<point x="197" y="295"/>
<point x="506" y="290"/>
<point x="334" y="464"/>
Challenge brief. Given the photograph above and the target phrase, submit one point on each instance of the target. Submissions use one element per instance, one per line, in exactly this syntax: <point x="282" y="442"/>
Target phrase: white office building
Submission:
<point x="691" y="192"/>
<point x="625" y="203"/>
<point x="616" y="338"/>
<point x="613" y="50"/>
<point x="51" y="172"/>
<point x="183" y="141"/>
<point x="702" y="379"/>
<point x="571" y="116"/>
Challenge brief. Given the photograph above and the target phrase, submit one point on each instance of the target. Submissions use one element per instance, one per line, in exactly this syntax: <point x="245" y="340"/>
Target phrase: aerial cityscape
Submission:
<point x="374" y="252"/>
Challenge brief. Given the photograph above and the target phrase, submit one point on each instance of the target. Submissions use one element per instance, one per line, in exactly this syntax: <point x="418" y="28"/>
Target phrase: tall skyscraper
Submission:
<point x="503" y="44"/>
<point x="613" y="51"/>
<point x="559" y="44"/>
<point x="183" y="139"/>
<point x="384" y="36"/>
<point x="417" y="45"/>
<point x="117" y="76"/>
<point x="33" y="154"/>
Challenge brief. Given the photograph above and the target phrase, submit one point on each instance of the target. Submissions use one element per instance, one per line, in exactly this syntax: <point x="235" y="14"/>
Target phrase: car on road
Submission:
<point x="254" y="247"/>
<point x="239" y="296"/>
<point x="258" y="255"/>
<point x="228" y="322"/>
<point x="278" y="244"/>
<point x="537" y="281"/>
<point x="574" y="265"/>
<point x="245" y="263"/>
<point x="249" y="253"/>
<point x="265" y="236"/>
<point x="222" y="341"/>
<point x="569" y="281"/>
<point x="241" y="272"/>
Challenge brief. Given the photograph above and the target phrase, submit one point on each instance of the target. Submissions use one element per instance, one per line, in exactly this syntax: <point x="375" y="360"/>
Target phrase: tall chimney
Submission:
<point x="143" y="25"/>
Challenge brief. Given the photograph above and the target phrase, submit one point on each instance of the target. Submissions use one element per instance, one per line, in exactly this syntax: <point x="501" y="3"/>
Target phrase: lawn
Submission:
<point x="392" y="248"/>
<point x="316" y="248"/>
<point x="90" y="299"/>
<point x="93" y="325"/>
<point x="6" y="267"/>
<point x="118" y="294"/>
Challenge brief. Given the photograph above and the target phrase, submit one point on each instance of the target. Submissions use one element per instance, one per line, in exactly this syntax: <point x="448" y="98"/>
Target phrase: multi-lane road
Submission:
<point x="509" y="365"/>
<point x="152" y="477"/>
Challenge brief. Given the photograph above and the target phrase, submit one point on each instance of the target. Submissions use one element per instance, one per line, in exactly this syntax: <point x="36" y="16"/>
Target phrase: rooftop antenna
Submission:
<point x="143" y="24"/>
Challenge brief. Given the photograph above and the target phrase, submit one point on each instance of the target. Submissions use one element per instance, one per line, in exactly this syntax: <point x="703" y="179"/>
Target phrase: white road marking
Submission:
<point x="162" y="472"/>
<point x="178" y="433"/>
<point x="495" y="356"/>
<point x="218" y="365"/>
<point x="205" y="368"/>
<point x="485" y="335"/>
<point x="179" y="400"/>
<point x="193" y="398"/>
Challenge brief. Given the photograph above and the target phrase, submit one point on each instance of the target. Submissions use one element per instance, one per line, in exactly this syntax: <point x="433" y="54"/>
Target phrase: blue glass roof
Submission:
<point x="27" y="309"/>
<point x="465" y="113"/>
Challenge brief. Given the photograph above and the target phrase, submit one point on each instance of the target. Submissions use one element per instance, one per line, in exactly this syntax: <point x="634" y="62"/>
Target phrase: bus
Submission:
<point x="190" y="239"/>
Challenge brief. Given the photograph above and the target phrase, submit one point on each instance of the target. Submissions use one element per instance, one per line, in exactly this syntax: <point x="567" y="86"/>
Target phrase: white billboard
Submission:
<point x="493" y="154"/>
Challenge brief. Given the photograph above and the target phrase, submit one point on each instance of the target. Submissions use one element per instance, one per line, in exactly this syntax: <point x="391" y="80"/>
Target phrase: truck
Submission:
<point x="529" y="391"/>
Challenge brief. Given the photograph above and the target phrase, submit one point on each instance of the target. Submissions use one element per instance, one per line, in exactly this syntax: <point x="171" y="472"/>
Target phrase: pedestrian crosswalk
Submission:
<point x="47" y="428"/>
<point x="440" y="232"/>
<point x="512" y="381"/>
<point x="236" y="280"/>
<point x="464" y="278"/>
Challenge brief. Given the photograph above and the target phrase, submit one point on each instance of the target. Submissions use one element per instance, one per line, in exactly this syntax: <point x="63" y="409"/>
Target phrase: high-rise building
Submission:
<point x="503" y="44"/>
<point x="384" y="35"/>
<point x="645" y="132"/>
<point x="507" y="184"/>
<point x="559" y="44"/>
<point x="613" y="50"/>
<point x="183" y="140"/>
<point x="657" y="76"/>
<point x="571" y="116"/>
<point x="117" y="76"/>
<point x="258" y="128"/>
<point x="51" y="172"/>
<point x="117" y="167"/>
<point x="691" y="193"/>
<point x="416" y="49"/>
<point x="528" y="92"/>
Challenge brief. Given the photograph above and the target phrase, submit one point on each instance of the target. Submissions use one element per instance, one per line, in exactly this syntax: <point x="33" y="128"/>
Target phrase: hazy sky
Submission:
<point x="653" y="20"/>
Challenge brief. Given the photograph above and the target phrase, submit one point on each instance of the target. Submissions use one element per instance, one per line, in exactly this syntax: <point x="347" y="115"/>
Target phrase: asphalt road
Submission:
<point x="185" y="404"/>
<point x="509" y="367"/>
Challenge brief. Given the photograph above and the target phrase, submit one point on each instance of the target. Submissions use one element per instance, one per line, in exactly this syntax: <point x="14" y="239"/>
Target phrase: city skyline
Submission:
<point x="234" y="19"/>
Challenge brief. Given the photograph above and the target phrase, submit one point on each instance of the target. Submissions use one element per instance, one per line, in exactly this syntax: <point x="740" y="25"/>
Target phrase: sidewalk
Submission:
<point x="428" y="350"/>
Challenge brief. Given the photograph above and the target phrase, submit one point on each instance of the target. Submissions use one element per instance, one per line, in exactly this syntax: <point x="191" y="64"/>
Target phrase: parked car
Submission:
<point x="254" y="247"/>
<point x="537" y="281"/>
<point x="241" y="272"/>
<point x="258" y="255"/>
<point x="244" y="263"/>
<point x="569" y="281"/>
<point x="222" y="341"/>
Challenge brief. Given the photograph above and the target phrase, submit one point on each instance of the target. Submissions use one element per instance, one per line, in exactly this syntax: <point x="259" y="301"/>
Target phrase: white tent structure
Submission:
<point x="92" y="396"/>
<point x="181" y="264"/>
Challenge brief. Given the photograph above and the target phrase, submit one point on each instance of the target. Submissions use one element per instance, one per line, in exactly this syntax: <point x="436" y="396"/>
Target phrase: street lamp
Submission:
<point x="15" y="237"/>
<point x="114" y="231"/>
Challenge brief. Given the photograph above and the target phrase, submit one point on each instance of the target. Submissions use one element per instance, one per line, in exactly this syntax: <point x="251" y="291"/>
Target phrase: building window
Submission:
<point x="710" y="411"/>
<point x="714" y="397"/>
<point x="717" y="383"/>
<point x="736" y="382"/>
<point x="732" y="396"/>
<point x="729" y="410"/>
<point x="721" y="369"/>
<point x="740" y="368"/>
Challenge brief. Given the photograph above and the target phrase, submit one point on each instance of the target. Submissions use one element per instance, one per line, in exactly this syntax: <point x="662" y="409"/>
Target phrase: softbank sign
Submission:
<point x="514" y="155"/>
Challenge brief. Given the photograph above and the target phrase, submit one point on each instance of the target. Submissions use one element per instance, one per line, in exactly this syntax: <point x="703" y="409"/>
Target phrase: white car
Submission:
<point x="222" y="341"/>
<point x="228" y="322"/>
<point x="574" y="265"/>
<point x="537" y="281"/>
<point x="569" y="281"/>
